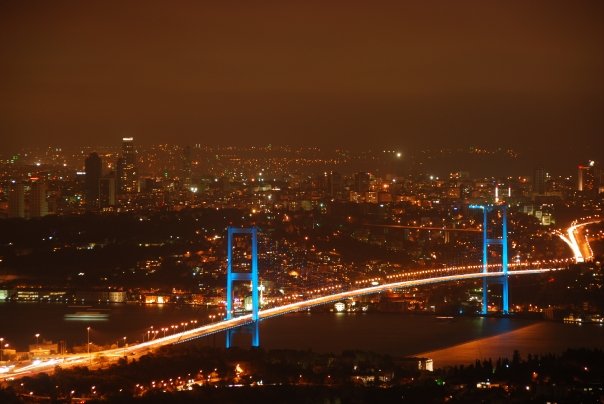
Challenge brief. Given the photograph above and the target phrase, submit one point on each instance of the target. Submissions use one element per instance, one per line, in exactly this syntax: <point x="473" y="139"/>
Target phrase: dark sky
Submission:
<point x="358" y="74"/>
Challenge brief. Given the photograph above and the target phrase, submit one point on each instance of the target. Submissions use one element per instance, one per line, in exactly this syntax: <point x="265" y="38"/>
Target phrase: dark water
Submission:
<point x="19" y="322"/>
<point x="448" y="341"/>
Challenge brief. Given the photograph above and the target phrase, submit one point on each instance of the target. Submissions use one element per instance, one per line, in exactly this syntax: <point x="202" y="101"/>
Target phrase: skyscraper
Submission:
<point x="107" y="191"/>
<point x="362" y="182"/>
<point x="38" y="206"/>
<point x="587" y="177"/>
<point x="186" y="167"/>
<point x="539" y="181"/>
<point x="93" y="167"/>
<point x="16" y="201"/>
<point x="335" y="184"/>
<point x="119" y="174"/>
<point x="129" y="174"/>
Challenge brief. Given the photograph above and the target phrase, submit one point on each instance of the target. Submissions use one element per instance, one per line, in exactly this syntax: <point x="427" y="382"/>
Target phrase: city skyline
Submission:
<point x="439" y="161"/>
<point x="525" y="76"/>
<point x="302" y="201"/>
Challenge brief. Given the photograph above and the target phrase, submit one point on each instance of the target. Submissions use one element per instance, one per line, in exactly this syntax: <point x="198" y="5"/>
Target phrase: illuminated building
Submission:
<point x="93" y="168"/>
<point x="119" y="174"/>
<point x="37" y="202"/>
<point x="128" y="175"/>
<point x="186" y="169"/>
<point x="16" y="201"/>
<point x="588" y="177"/>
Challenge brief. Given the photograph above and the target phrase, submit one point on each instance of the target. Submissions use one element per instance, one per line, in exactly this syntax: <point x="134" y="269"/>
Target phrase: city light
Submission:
<point x="390" y="201"/>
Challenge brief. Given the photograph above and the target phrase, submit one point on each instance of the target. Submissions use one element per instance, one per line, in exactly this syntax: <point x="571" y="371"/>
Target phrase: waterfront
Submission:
<point x="446" y="340"/>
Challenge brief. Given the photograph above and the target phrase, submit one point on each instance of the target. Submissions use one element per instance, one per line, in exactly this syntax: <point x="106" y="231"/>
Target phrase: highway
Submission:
<point x="577" y="241"/>
<point x="432" y="228"/>
<point x="220" y="326"/>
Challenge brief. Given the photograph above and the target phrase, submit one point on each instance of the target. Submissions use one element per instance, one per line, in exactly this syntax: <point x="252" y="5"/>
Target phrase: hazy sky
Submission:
<point x="358" y="74"/>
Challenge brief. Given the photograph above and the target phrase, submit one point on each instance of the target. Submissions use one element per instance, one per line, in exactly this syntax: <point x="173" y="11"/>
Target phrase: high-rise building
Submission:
<point x="16" y="201"/>
<point x="362" y="182"/>
<point x="38" y="206"/>
<point x="588" y="177"/>
<point x="129" y="174"/>
<point x="107" y="191"/>
<point x="186" y="167"/>
<point x="335" y="184"/>
<point x="119" y="174"/>
<point x="539" y="181"/>
<point x="93" y="167"/>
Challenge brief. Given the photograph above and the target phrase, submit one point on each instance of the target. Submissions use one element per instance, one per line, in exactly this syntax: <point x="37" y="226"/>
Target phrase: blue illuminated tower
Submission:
<point x="243" y="276"/>
<point x="486" y="242"/>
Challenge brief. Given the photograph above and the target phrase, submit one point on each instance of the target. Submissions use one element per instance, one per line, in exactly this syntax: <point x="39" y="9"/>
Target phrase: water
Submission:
<point x="447" y="341"/>
<point x="19" y="322"/>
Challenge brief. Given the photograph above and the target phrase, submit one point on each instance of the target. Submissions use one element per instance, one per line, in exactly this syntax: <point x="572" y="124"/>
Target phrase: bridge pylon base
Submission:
<point x="252" y="329"/>
<point x="503" y="281"/>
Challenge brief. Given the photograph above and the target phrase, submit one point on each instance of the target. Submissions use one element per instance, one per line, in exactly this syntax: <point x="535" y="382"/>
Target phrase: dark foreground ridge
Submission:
<point x="201" y="374"/>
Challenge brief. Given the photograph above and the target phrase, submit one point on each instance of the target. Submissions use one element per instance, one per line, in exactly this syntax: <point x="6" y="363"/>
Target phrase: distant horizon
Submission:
<point x="497" y="161"/>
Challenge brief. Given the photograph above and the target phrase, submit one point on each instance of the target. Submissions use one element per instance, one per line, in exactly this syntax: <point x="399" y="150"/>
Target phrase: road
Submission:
<point x="577" y="241"/>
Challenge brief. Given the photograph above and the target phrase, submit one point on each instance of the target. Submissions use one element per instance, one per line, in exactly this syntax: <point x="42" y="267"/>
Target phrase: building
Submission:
<point x="93" y="168"/>
<point x="362" y="182"/>
<point x="335" y="184"/>
<point x="16" y="201"/>
<point x="44" y="348"/>
<point x="119" y="175"/>
<point x="107" y="190"/>
<point x="128" y="172"/>
<point x="539" y="177"/>
<point x="186" y="168"/>
<point x="588" y="177"/>
<point x="38" y="207"/>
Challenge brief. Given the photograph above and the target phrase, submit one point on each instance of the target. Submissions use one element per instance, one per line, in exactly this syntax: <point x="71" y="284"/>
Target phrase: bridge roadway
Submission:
<point x="209" y="329"/>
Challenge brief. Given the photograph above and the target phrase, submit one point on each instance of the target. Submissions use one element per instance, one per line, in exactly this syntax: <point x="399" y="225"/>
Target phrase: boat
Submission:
<point x="87" y="316"/>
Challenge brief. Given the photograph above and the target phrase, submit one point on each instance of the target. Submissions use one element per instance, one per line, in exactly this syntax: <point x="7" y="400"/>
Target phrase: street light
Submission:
<point x="1" y="348"/>
<point x="124" y="346"/>
<point x="88" y="343"/>
<point x="38" y="342"/>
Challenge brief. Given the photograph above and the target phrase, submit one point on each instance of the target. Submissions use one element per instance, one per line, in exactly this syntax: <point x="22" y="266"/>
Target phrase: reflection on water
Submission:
<point x="391" y="333"/>
<point x="538" y="338"/>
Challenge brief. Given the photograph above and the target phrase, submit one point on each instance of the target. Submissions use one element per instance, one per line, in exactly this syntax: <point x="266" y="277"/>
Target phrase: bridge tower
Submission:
<point x="486" y="242"/>
<point x="251" y="276"/>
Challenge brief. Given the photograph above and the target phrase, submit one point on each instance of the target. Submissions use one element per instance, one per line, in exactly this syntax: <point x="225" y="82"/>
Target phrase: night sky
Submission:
<point x="356" y="74"/>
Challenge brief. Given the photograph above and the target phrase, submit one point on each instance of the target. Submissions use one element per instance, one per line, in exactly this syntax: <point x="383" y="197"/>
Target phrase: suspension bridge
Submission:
<point x="498" y="272"/>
